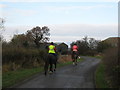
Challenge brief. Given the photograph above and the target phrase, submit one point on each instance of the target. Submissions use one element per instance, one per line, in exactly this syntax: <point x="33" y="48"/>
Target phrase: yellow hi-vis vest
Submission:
<point x="51" y="49"/>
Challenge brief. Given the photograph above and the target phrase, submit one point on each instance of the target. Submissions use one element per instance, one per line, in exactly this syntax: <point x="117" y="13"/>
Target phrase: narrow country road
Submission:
<point x="80" y="76"/>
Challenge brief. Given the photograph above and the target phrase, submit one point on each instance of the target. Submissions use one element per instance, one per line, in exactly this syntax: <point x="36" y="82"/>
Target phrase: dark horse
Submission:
<point x="74" y="57"/>
<point x="51" y="60"/>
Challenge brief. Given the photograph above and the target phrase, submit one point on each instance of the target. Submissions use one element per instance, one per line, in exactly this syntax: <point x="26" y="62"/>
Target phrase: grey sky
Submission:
<point x="68" y="21"/>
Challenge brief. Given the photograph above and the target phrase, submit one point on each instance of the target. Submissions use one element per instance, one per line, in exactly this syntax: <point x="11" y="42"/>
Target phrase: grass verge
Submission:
<point x="99" y="57"/>
<point x="12" y="77"/>
<point x="100" y="77"/>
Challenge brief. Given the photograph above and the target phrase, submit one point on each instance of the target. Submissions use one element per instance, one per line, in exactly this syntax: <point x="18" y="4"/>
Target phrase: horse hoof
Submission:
<point x="73" y="63"/>
<point x="51" y="72"/>
<point x="45" y="73"/>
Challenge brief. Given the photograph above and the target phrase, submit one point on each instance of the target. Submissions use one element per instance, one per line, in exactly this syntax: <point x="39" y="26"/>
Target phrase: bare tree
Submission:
<point x="93" y="43"/>
<point x="38" y="35"/>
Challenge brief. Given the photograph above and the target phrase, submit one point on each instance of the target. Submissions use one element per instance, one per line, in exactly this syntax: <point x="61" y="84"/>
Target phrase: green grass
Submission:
<point x="100" y="77"/>
<point x="12" y="77"/>
<point x="0" y="79"/>
<point x="99" y="57"/>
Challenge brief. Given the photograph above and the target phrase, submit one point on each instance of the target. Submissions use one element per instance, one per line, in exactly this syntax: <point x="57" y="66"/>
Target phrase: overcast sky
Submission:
<point x="68" y="20"/>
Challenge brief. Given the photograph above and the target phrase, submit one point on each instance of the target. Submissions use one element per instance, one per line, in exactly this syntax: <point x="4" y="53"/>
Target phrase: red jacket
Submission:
<point x="75" y="48"/>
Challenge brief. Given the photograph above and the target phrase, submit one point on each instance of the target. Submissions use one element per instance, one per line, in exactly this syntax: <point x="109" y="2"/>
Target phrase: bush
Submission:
<point x="15" y="58"/>
<point x="91" y="53"/>
<point x="112" y="68"/>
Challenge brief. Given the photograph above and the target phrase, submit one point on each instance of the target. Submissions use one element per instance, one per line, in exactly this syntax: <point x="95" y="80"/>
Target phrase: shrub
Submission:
<point x="91" y="52"/>
<point x="15" y="58"/>
<point x="112" y="67"/>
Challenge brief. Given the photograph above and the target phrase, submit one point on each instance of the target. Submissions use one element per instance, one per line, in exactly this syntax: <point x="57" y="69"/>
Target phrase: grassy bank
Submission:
<point x="100" y="77"/>
<point x="12" y="77"/>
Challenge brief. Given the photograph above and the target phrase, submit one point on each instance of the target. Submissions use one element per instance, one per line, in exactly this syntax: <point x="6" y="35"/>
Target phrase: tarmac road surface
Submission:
<point x="70" y="76"/>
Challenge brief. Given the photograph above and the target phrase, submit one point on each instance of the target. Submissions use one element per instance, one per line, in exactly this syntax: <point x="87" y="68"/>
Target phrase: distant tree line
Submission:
<point x="90" y="46"/>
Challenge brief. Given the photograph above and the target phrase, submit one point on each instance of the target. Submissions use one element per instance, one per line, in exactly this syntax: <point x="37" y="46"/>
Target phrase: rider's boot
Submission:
<point x="54" y="70"/>
<point x="45" y="73"/>
<point x="75" y="63"/>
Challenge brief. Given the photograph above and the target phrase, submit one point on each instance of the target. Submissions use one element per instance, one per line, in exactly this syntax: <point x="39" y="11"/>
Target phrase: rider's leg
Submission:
<point x="55" y="66"/>
<point x="55" y="61"/>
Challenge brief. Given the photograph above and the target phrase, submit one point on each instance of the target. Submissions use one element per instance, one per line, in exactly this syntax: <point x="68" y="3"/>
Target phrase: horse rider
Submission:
<point x="52" y="50"/>
<point x="74" y="51"/>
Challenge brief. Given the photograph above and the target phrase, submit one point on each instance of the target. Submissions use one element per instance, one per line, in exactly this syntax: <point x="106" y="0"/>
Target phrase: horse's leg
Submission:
<point x="46" y="67"/>
<point x="55" y="65"/>
<point x="75" y="59"/>
<point x="51" y="68"/>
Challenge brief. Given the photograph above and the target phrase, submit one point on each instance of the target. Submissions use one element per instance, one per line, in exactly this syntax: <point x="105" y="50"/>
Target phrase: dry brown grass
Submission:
<point x="64" y="58"/>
